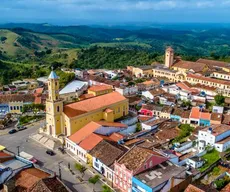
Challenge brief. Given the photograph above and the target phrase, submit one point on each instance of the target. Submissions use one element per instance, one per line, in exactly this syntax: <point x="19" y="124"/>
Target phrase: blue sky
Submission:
<point x="114" y="11"/>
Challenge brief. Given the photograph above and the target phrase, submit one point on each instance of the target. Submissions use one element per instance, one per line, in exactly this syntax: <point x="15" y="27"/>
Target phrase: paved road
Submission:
<point x="39" y="152"/>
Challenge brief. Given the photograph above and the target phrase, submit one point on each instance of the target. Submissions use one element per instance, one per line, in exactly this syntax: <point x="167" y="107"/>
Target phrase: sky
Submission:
<point x="114" y="11"/>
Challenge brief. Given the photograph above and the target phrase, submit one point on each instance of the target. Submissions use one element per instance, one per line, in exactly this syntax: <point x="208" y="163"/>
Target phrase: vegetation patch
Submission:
<point x="210" y="157"/>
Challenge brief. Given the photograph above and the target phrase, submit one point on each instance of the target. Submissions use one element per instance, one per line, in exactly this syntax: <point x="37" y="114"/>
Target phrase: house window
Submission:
<point x="58" y="109"/>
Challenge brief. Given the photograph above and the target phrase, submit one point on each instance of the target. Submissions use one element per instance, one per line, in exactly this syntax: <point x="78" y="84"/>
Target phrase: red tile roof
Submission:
<point x="116" y="137"/>
<point x="226" y="188"/>
<point x="204" y="115"/>
<point x="223" y="82"/>
<point x="184" y="86"/>
<point x="218" y="129"/>
<point x="90" y="142"/>
<point x="84" y="132"/>
<point x="28" y="177"/>
<point x="95" y="103"/>
<point x="196" y="67"/>
<point x="213" y="63"/>
<point x="16" y="97"/>
<point x="86" y="96"/>
<point x="192" y="188"/>
<point x="38" y="91"/>
<point x="195" y="113"/>
<point x="96" y="88"/>
<point x="111" y="124"/>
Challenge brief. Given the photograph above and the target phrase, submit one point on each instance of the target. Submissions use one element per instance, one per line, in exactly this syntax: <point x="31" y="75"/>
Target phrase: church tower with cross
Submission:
<point x="54" y="106"/>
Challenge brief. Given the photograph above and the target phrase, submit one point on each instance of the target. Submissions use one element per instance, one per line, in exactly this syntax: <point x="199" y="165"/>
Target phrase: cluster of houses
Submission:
<point x="124" y="123"/>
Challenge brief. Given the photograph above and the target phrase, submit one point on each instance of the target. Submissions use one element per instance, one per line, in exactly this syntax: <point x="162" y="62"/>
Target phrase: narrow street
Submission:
<point x="26" y="144"/>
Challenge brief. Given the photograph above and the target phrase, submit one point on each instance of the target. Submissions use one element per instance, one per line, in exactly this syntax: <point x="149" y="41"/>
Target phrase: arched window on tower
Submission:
<point x="58" y="109"/>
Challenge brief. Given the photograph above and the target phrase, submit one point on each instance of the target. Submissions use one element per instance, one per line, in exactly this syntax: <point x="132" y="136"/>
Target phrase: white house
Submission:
<point x="217" y="136"/>
<point x="126" y="91"/>
<point x="195" y="162"/>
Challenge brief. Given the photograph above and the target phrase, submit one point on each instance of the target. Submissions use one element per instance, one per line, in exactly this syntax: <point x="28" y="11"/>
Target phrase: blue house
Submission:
<point x="162" y="177"/>
<point x="4" y="109"/>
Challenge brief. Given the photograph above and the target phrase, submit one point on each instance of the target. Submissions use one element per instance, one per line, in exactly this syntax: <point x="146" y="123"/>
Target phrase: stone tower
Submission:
<point x="54" y="106"/>
<point x="169" y="57"/>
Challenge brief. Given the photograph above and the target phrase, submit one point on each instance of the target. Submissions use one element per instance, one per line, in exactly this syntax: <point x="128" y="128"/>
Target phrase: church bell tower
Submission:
<point x="169" y="57"/>
<point x="54" y="106"/>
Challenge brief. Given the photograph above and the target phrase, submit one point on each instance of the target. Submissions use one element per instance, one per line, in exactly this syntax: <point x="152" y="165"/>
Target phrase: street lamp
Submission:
<point x="59" y="169"/>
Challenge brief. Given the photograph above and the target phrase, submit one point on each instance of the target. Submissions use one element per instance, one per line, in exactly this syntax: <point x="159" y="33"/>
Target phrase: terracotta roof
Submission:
<point x="107" y="152"/>
<point x="204" y="87"/>
<point x="223" y="82"/>
<point x="213" y="63"/>
<point x="186" y="86"/>
<point x="167" y="134"/>
<point x="167" y="109"/>
<point x="38" y="100"/>
<point x="157" y="91"/>
<point x="226" y="188"/>
<point x="16" y="97"/>
<point x="132" y="142"/>
<point x="195" y="66"/>
<point x="216" y="117"/>
<point x="116" y="137"/>
<point x="218" y="129"/>
<point x="85" y="106"/>
<point x="185" y="114"/>
<point x="136" y="156"/>
<point x="28" y="177"/>
<point x="226" y="119"/>
<point x="177" y="111"/>
<point x="90" y="142"/>
<point x="144" y="118"/>
<point x="86" y="96"/>
<point x="205" y="115"/>
<point x="195" y="113"/>
<point x="152" y="107"/>
<point x="227" y="100"/>
<point x="111" y="124"/>
<point x="96" y="88"/>
<point x="84" y="132"/>
<point x="38" y="91"/>
<point x="49" y="185"/>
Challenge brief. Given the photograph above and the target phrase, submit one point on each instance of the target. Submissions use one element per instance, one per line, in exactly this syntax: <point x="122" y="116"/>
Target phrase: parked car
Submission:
<point x="50" y="152"/>
<point x="20" y="128"/>
<point x="12" y="131"/>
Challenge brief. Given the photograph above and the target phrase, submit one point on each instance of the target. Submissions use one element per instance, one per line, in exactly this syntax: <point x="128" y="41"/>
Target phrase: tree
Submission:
<point x="81" y="169"/>
<point x="93" y="180"/>
<point x="219" y="99"/>
<point x="106" y="188"/>
<point x="139" y="127"/>
<point x="3" y="38"/>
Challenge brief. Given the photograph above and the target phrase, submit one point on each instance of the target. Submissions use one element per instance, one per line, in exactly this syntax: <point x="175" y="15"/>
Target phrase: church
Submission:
<point x="66" y="119"/>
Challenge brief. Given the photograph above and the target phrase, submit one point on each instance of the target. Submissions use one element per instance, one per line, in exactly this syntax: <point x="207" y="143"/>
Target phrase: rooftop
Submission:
<point x="28" y="177"/>
<point x="73" y="86"/>
<point x="53" y="75"/>
<point x="95" y="103"/>
<point x="200" y="77"/>
<point x="216" y="117"/>
<point x="192" y="188"/>
<point x="13" y="164"/>
<point x="90" y="142"/>
<point x="107" y="152"/>
<point x="225" y="140"/>
<point x="16" y="98"/>
<point x="195" y="66"/>
<point x="96" y="88"/>
<point x="160" y="174"/>
<point x="218" y="129"/>
<point x="213" y="63"/>
<point x="136" y="156"/>
<point x="84" y="132"/>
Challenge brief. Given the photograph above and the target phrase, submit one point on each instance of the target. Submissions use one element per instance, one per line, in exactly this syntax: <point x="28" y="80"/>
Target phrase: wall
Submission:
<point x="138" y="186"/>
<point x="15" y="107"/>
<point x="204" y="122"/>
<point x="122" y="178"/>
<point x="120" y="109"/>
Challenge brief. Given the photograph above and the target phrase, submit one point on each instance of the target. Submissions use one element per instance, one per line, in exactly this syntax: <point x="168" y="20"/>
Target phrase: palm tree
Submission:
<point x="81" y="169"/>
<point x="93" y="180"/>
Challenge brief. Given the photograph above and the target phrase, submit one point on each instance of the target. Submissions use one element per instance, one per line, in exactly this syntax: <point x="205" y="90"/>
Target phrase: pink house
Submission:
<point x="135" y="161"/>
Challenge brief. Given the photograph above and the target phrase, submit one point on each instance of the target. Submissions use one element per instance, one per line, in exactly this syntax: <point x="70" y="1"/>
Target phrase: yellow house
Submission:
<point x="141" y="71"/>
<point x="97" y="90"/>
<point x="16" y="107"/>
<point x="72" y="117"/>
